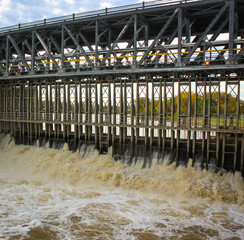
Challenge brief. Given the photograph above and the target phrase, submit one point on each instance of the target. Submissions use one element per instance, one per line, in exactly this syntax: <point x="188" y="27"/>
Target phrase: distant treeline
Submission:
<point x="184" y="103"/>
<point x="184" y="100"/>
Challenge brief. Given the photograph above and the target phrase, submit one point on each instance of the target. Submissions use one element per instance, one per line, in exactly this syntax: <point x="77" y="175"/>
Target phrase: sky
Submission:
<point x="13" y="12"/>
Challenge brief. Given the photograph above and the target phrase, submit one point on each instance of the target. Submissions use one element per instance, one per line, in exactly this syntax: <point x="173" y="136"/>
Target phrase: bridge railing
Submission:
<point x="101" y="12"/>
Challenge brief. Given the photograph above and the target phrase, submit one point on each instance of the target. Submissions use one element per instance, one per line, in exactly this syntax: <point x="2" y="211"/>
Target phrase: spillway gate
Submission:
<point x="150" y="80"/>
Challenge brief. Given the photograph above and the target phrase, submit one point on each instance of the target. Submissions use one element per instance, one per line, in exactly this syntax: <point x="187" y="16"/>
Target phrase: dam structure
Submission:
<point x="146" y="80"/>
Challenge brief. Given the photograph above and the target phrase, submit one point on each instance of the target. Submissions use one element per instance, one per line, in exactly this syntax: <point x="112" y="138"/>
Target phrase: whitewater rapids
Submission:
<point x="56" y="194"/>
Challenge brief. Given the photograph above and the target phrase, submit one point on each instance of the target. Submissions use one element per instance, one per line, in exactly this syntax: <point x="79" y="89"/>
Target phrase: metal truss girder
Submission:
<point x="19" y="52"/>
<point x="207" y="10"/>
<point x="163" y="29"/>
<point x="80" y="49"/>
<point x="32" y="51"/>
<point x="220" y="54"/>
<point x="163" y="16"/>
<point x="131" y="43"/>
<point x="47" y="50"/>
<point x="239" y="55"/>
<point x="118" y="38"/>
<point x="97" y="36"/>
<point x="82" y="36"/>
<point x="213" y="22"/>
<point x="215" y="35"/>
<point x="59" y="49"/>
<point x="169" y="41"/>
<point x="102" y="33"/>
<point x="55" y="44"/>
<point x="27" y="45"/>
<point x="84" y="39"/>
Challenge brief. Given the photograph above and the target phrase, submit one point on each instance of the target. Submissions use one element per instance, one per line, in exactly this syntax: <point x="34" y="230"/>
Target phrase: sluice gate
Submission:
<point x="183" y="115"/>
<point x="148" y="80"/>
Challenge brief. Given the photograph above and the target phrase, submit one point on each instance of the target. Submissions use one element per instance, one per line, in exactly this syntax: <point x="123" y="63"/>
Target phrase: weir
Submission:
<point x="148" y="80"/>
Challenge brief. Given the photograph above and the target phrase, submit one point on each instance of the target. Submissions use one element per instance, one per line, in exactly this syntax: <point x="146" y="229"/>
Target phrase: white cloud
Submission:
<point x="4" y="8"/>
<point x="80" y="10"/>
<point x="58" y="11"/>
<point x="4" y="5"/>
<point x="69" y="1"/>
<point x="54" y="3"/>
<point x="105" y="5"/>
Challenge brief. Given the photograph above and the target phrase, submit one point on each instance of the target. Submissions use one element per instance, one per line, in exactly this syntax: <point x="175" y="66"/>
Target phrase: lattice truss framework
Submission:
<point x="188" y="34"/>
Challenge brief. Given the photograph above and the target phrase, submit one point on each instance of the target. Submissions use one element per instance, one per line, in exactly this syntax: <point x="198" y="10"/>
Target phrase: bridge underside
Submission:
<point x="150" y="80"/>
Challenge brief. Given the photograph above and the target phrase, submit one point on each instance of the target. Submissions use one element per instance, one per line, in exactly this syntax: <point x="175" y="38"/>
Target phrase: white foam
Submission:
<point x="84" y="195"/>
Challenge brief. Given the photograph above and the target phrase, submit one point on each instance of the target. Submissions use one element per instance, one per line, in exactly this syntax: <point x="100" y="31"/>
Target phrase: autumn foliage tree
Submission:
<point x="184" y="104"/>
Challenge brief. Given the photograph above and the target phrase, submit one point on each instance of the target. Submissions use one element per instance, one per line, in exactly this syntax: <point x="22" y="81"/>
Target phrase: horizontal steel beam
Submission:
<point x="170" y="70"/>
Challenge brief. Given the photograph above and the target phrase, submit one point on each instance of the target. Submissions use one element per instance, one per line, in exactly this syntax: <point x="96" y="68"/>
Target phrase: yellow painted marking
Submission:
<point x="128" y="56"/>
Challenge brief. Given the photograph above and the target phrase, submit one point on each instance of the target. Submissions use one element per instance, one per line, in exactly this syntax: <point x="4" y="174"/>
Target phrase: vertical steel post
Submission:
<point x="209" y="121"/>
<point x="80" y="114"/>
<point x="178" y="123"/>
<point x="172" y="119"/>
<point x="146" y="124"/>
<point x="28" y="112"/>
<point x="69" y="111"/>
<point x="164" y="115"/>
<point x="39" y="110"/>
<point x="7" y="55"/>
<point x="225" y="123"/>
<point x="11" y="109"/>
<point x="132" y="124"/>
<point x="96" y="43"/>
<point x="135" y="41"/>
<point x="160" y="118"/>
<point x="33" y="52"/>
<point x="99" y="131"/>
<point x="121" y="119"/>
<point x="179" y="36"/>
<point x="137" y="118"/>
<point x="204" y="124"/>
<point x="231" y="30"/>
<point x="114" y="118"/>
<point x="109" y="113"/>
<point x="76" y="110"/>
<point x="87" y="110"/>
<point x="46" y="119"/>
<point x="62" y="47"/>
<point x="64" y="111"/>
<point x="124" y="118"/>
<point x="36" y="111"/>
<point x="152" y="120"/>
<point x="96" y="110"/>
<point x="218" y="121"/>
<point x="89" y="113"/>
<point x="189" y="121"/>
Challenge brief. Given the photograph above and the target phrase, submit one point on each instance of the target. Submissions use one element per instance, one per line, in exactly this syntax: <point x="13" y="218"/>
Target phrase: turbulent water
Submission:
<point x="56" y="194"/>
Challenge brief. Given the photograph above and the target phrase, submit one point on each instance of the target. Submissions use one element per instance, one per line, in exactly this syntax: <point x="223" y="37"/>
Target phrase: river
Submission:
<point x="56" y="194"/>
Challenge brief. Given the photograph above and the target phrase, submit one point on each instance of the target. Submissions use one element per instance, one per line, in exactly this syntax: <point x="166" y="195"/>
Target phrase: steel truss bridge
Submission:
<point x="156" y="78"/>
